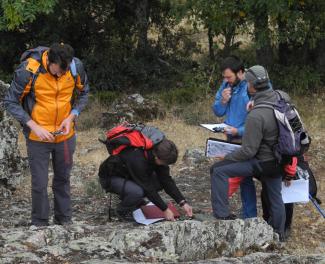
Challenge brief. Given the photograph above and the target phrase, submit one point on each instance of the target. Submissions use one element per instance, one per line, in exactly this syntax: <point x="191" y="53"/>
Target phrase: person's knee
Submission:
<point x="39" y="188"/>
<point x="135" y="193"/>
<point x="215" y="170"/>
<point x="138" y="193"/>
<point x="62" y="181"/>
<point x="39" y="185"/>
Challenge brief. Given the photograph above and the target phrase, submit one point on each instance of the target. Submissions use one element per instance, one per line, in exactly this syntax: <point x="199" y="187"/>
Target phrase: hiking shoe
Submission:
<point x="124" y="215"/>
<point x="287" y="232"/>
<point x="229" y="217"/>
<point x="38" y="225"/>
<point x="282" y="237"/>
<point x="62" y="223"/>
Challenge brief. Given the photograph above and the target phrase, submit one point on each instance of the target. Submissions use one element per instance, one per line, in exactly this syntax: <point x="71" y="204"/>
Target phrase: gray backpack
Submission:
<point x="293" y="138"/>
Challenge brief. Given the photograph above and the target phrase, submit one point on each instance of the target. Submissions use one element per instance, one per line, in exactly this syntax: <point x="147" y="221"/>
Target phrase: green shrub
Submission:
<point x="5" y="77"/>
<point x="106" y="97"/>
<point x="296" y="79"/>
<point x="193" y="86"/>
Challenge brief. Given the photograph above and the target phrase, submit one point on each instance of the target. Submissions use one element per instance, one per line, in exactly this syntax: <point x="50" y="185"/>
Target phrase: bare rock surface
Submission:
<point x="12" y="165"/>
<point x="166" y="241"/>
<point x="132" y="108"/>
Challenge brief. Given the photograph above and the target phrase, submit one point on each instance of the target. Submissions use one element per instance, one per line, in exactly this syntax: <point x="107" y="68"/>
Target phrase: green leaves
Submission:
<point x="15" y="12"/>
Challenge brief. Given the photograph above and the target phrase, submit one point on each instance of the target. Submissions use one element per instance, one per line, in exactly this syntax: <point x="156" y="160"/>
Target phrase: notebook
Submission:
<point x="151" y="211"/>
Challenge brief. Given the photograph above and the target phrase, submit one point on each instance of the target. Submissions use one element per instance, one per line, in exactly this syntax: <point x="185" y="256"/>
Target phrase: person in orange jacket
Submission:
<point x="48" y="91"/>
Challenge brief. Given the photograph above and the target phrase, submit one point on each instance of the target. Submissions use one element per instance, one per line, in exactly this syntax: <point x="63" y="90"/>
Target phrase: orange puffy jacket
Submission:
<point x="36" y="94"/>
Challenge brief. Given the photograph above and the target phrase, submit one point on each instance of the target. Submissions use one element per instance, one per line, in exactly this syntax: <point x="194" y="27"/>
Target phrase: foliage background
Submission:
<point x="169" y="45"/>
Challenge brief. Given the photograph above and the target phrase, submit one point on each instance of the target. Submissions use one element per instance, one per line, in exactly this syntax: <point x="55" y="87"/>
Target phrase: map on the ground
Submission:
<point x="140" y="218"/>
<point x="217" y="147"/>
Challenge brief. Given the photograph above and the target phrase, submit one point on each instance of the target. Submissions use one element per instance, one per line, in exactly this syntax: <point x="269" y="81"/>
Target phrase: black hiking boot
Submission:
<point x="229" y="217"/>
<point x="282" y="237"/>
<point x="124" y="215"/>
<point x="66" y="222"/>
<point x="287" y="232"/>
<point x="38" y="225"/>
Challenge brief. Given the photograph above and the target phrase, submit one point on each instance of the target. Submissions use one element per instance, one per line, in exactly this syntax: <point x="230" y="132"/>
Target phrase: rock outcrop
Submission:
<point x="263" y="258"/>
<point x="132" y="108"/>
<point x="187" y="241"/>
<point x="193" y="157"/>
<point x="181" y="241"/>
<point x="11" y="164"/>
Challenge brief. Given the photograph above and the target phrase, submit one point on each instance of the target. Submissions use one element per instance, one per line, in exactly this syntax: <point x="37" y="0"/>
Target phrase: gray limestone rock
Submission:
<point x="133" y="108"/>
<point x="22" y="257"/>
<point x="11" y="164"/>
<point x="189" y="241"/>
<point x="270" y="258"/>
<point x="194" y="157"/>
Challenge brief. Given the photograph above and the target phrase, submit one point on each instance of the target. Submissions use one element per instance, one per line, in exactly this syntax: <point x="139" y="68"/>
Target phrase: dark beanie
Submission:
<point x="258" y="76"/>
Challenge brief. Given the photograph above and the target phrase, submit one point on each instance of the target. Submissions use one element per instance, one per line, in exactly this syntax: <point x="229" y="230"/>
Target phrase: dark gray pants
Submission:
<point x="131" y="193"/>
<point x="220" y="173"/>
<point x="39" y="157"/>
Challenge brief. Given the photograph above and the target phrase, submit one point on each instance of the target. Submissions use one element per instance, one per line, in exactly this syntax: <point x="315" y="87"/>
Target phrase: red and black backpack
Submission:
<point x="127" y="135"/>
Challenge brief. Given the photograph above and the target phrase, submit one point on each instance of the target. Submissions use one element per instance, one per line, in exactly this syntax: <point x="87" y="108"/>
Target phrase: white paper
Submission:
<point x="141" y="219"/>
<point x="212" y="126"/>
<point x="216" y="148"/>
<point x="297" y="192"/>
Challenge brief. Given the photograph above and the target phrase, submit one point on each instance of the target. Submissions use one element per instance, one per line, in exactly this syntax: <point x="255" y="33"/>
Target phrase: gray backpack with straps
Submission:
<point x="293" y="138"/>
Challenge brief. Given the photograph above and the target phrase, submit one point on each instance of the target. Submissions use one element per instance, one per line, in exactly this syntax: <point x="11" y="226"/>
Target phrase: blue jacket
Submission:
<point x="235" y="110"/>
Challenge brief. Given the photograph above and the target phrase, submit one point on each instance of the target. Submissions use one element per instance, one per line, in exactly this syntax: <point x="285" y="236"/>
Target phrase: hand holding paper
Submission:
<point x="188" y="210"/>
<point x="215" y="127"/>
<point x="297" y="192"/>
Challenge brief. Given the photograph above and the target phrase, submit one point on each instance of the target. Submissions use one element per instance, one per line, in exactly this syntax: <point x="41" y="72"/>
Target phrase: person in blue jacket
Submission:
<point x="231" y="101"/>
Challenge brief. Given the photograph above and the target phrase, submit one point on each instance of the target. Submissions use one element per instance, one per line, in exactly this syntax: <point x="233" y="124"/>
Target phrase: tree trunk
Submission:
<point x="142" y="18"/>
<point x="320" y="54"/>
<point x="229" y="35"/>
<point x="262" y="37"/>
<point x="284" y="50"/>
<point x="210" y="38"/>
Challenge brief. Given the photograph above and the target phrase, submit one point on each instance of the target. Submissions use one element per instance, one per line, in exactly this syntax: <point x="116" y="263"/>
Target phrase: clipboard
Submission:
<point x="218" y="147"/>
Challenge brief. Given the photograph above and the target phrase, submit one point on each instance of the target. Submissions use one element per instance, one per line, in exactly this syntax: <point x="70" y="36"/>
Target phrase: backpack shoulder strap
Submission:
<point x="34" y="67"/>
<point x="73" y="70"/>
<point x="35" y="75"/>
<point x="264" y="104"/>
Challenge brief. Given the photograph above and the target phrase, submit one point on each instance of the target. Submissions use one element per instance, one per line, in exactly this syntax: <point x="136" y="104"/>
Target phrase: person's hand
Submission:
<point x="66" y="124"/>
<point x="249" y="106"/>
<point x="231" y="130"/>
<point x="39" y="131"/>
<point x="219" y="158"/>
<point x="188" y="210"/>
<point x="168" y="214"/>
<point x="287" y="183"/>
<point x="226" y="95"/>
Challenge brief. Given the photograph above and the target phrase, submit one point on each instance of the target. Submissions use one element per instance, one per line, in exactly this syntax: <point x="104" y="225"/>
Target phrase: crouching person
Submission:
<point x="255" y="156"/>
<point x="136" y="173"/>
